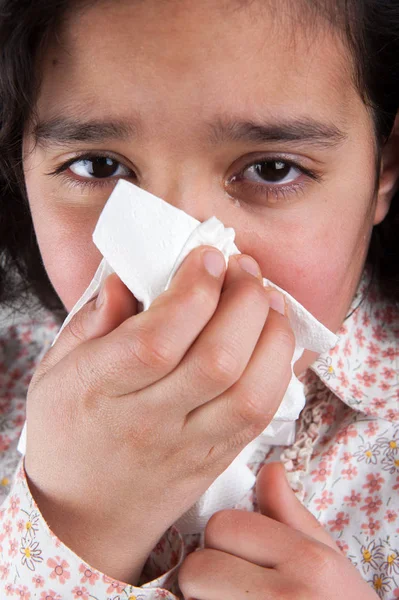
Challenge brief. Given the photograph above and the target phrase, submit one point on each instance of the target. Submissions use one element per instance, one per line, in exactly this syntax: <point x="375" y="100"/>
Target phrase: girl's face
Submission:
<point x="239" y="110"/>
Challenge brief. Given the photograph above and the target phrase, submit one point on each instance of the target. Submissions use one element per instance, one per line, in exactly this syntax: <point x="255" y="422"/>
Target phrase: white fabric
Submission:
<point x="144" y="240"/>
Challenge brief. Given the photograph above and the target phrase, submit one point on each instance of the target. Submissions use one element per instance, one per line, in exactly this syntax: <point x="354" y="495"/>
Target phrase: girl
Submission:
<point x="279" y="119"/>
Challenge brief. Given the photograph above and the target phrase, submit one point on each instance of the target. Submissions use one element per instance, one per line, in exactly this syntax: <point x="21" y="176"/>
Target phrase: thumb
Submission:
<point x="277" y="501"/>
<point x="95" y="319"/>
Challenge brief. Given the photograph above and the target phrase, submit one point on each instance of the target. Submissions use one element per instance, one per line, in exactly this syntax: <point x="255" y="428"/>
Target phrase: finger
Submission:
<point x="146" y="347"/>
<point x="262" y="540"/>
<point x="97" y="318"/>
<point x="236" y="417"/>
<point x="277" y="500"/>
<point x="213" y="575"/>
<point x="219" y="356"/>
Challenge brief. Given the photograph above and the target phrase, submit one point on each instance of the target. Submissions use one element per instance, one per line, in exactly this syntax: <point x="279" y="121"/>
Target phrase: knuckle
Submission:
<point x="77" y="327"/>
<point x="251" y="410"/>
<point x="284" y="338"/>
<point x="199" y="295"/>
<point x="222" y="366"/>
<point x="150" y="349"/>
<point x="318" y="557"/>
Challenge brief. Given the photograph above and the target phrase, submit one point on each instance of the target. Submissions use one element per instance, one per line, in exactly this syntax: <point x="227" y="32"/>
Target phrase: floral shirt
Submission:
<point x="343" y="465"/>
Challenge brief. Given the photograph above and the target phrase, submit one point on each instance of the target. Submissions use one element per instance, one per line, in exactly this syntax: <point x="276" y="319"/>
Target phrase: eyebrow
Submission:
<point x="290" y="130"/>
<point x="63" y="130"/>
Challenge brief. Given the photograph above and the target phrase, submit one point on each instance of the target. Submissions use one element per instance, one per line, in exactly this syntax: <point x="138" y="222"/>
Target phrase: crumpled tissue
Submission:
<point x="144" y="240"/>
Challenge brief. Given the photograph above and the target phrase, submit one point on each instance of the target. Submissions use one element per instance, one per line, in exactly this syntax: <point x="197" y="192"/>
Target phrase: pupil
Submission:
<point x="102" y="166"/>
<point x="274" y="170"/>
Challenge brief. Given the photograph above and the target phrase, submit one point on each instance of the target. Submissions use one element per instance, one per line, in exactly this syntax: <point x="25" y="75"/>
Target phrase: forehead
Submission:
<point x="195" y="59"/>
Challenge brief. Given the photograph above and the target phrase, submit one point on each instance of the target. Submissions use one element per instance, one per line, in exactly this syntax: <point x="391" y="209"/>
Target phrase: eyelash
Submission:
<point x="282" y="191"/>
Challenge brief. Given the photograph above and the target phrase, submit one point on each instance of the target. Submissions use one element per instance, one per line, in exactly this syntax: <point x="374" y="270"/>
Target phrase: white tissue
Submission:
<point x="144" y="240"/>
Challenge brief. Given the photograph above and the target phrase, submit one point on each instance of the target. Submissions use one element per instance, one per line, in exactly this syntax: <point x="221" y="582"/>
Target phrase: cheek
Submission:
<point x="319" y="265"/>
<point x="65" y="240"/>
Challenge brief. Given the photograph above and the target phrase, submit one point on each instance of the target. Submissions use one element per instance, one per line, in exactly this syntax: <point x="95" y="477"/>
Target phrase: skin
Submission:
<point x="186" y="66"/>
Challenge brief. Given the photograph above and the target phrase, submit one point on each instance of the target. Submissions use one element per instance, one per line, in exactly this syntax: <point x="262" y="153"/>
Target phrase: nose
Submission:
<point x="186" y="186"/>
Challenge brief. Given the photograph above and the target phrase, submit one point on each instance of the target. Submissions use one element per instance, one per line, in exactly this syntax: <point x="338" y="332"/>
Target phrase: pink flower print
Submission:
<point x="366" y="320"/>
<point x="359" y="337"/>
<point x="384" y="386"/>
<point x="366" y="378"/>
<point x="59" y="569"/>
<point x="14" y="506"/>
<point x="391" y="515"/>
<point x="353" y="499"/>
<point x="22" y="592"/>
<point x="347" y="432"/>
<point x="378" y="403"/>
<point x="9" y="589"/>
<point x="7" y="528"/>
<point x="38" y="581"/>
<point x="347" y="348"/>
<point x="374" y="481"/>
<point x="80" y="593"/>
<point x="356" y="392"/>
<point x="338" y="524"/>
<point x="350" y="472"/>
<point x="160" y="547"/>
<point x="344" y="381"/>
<point x="5" y="571"/>
<point x="20" y="525"/>
<point x="13" y="548"/>
<point x="161" y="593"/>
<point x="322" y="472"/>
<point x="326" y="499"/>
<point x="331" y="453"/>
<point x="388" y="373"/>
<point x="115" y="587"/>
<point x="392" y="415"/>
<point x="88" y="574"/>
<point x="371" y="527"/>
<point x="343" y="546"/>
<point x="50" y="595"/>
<point x="372" y="429"/>
<point x="346" y="457"/>
<point x="5" y="442"/>
<point x="371" y="505"/>
<point x="328" y="416"/>
<point x="373" y="348"/>
<point x="390" y="353"/>
<point x="372" y="362"/>
<point x="396" y="486"/>
<point x="379" y="333"/>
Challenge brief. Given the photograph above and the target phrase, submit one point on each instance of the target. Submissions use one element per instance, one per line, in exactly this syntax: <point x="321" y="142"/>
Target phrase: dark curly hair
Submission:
<point x="370" y="29"/>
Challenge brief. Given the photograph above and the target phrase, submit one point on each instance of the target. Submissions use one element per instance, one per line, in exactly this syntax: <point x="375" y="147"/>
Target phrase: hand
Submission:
<point x="281" y="554"/>
<point x="132" y="416"/>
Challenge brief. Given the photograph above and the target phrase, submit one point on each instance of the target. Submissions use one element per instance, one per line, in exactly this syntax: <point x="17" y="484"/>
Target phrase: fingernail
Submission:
<point x="214" y="262"/>
<point x="249" y="265"/>
<point x="100" y="298"/>
<point x="276" y="301"/>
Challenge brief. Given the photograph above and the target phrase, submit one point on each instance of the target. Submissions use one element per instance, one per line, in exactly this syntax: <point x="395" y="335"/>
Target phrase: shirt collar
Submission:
<point x="363" y="367"/>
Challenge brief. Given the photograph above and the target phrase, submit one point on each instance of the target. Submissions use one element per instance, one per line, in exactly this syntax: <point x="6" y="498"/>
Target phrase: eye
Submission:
<point x="272" y="171"/>
<point x="267" y="182"/>
<point x="99" y="167"/>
